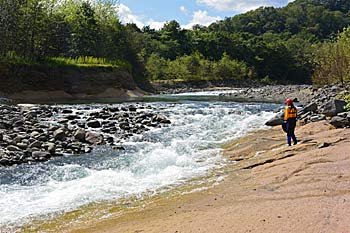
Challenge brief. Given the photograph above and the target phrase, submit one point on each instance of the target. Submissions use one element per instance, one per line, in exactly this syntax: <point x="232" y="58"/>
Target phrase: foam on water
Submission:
<point x="159" y="159"/>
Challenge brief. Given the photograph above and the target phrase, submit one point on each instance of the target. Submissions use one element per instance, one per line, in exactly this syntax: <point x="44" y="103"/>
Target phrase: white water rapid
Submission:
<point x="162" y="158"/>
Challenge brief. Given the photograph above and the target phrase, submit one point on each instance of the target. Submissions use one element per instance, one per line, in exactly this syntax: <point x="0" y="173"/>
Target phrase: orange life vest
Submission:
<point x="290" y="112"/>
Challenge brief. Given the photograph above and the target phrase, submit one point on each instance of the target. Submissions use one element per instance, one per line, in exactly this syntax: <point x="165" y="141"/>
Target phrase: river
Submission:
<point x="154" y="162"/>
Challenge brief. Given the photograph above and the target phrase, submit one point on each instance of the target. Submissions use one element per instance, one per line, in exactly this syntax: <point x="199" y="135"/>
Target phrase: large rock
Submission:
<point x="41" y="154"/>
<point x="80" y="135"/>
<point x="59" y="135"/>
<point x="333" y="107"/>
<point x="94" y="124"/>
<point x="312" y="107"/>
<point x="94" y="138"/>
<point x="36" y="144"/>
<point x="12" y="148"/>
<point x="339" y="122"/>
<point x="276" y="120"/>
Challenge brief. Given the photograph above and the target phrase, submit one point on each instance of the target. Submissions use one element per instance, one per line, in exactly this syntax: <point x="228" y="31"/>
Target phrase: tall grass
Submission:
<point x="82" y="61"/>
<point x="86" y="61"/>
<point x="13" y="58"/>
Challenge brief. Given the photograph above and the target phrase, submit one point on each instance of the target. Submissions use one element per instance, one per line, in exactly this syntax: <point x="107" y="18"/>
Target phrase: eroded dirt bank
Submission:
<point x="271" y="188"/>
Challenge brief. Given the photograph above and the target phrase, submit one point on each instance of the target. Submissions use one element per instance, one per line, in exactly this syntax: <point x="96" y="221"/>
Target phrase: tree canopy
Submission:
<point x="276" y="44"/>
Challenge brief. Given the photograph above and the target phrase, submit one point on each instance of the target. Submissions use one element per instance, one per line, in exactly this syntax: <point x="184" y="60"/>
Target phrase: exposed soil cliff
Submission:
<point x="26" y="82"/>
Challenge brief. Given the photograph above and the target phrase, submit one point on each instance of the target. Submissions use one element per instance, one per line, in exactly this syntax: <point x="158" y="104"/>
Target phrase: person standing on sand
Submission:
<point x="290" y="117"/>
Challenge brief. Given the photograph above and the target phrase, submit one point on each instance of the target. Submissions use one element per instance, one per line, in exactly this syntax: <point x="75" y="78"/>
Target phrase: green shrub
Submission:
<point x="347" y="100"/>
<point x="13" y="58"/>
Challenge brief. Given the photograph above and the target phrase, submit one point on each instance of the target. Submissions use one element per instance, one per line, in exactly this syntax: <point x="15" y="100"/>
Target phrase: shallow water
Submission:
<point x="157" y="160"/>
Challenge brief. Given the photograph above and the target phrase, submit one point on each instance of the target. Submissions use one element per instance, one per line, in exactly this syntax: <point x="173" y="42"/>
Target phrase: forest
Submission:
<point x="303" y="42"/>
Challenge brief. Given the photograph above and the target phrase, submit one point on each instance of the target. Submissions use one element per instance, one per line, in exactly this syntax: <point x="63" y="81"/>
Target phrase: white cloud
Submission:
<point x="155" y="24"/>
<point x="126" y="16"/>
<point x="183" y="10"/>
<point x="240" y="5"/>
<point x="202" y="18"/>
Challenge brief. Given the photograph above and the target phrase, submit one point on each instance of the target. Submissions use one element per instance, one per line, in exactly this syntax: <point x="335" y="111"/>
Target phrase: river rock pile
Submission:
<point x="326" y="103"/>
<point x="35" y="134"/>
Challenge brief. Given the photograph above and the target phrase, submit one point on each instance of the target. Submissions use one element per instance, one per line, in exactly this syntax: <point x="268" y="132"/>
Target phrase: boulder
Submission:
<point x="35" y="144"/>
<point x="124" y="125"/>
<point x="276" y="120"/>
<point x="12" y="148"/>
<point x="339" y="122"/>
<point x="63" y="121"/>
<point x="51" y="148"/>
<point x="333" y="107"/>
<point x="312" y="107"/>
<point x="118" y="148"/>
<point x="34" y="134"/>
<point x="80" y="135"/>
<point x="72" y="117"/>
<point x="41" y="154"/>
<point x="132" y="108"/>
<point x="94" y="124"/>
<point x="22" y="145"/>
<point x="316" y="118"/>
<point x="67" y="111"/>
<point x="59" y="135"/>
<point x="94" y="138"/>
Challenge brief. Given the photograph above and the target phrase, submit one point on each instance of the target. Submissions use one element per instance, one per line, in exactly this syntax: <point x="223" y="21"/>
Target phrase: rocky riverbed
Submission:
<point x="38" y="133"/>
<point x="315" y="103"/>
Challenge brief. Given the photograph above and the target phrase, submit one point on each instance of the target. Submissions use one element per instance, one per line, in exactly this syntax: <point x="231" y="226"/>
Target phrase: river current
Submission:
<point x="160" y="159"/>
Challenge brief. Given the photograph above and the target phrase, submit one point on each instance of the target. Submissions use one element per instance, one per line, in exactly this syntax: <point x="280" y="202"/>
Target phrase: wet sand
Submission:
<point x="269" y="188"/>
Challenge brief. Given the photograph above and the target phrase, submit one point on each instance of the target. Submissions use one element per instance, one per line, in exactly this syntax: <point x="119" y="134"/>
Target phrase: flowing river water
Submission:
<point x="159" y="160"/>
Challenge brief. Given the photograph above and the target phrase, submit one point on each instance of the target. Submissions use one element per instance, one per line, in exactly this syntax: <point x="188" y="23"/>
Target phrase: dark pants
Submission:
<point x="291" y="123"/>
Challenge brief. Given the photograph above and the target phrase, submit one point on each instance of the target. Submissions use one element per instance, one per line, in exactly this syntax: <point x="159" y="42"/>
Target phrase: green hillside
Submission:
<point x="271" y="45"/>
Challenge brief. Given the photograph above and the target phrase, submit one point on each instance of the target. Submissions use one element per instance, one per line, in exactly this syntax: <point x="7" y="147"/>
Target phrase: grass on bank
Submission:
<point x="83" y="61"/>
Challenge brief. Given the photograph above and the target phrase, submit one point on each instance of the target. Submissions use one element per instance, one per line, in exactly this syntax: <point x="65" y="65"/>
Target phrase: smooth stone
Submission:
<point x="94" y="124"/>
<point x="12" y="148"/>
<point x="333" y="107"/>
<point x="59" y="135"/>
<point x="339" y="122"/>
<point x="118" y="148"/>
<point x="22" y="146"/>
<point x="80" y="135"/>
<point x="36" y="144"/>
<point x="94" y="138"/>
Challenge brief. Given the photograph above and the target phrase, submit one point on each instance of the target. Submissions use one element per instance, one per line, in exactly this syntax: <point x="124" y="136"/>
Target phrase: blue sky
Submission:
<point x="187" y="12"/>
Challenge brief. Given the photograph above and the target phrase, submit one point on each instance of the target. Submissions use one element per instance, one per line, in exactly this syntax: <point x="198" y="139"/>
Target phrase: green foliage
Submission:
<point x="347" y="100"/>
<point x="12" y="57"/>
<point x="333" y="60"/>
<point x="86" y="61"/>
<point x="155" y="67"/>
<point x="273" y="45"/>
<point x="230" y="69"/>
<point x="195" y="67"/>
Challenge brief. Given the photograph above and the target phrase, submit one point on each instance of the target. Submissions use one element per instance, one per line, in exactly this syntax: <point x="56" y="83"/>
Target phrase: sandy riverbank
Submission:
<point x="271" y="188"/>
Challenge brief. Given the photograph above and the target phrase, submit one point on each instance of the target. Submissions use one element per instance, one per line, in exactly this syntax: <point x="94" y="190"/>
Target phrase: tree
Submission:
<point x="83" y="32"/>
<point x="333" y="61"/>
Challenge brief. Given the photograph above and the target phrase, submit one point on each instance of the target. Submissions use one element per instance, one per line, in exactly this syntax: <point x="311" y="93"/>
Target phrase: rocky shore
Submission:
<point x="38" y="133"/>
<point x="315" y="104"/>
